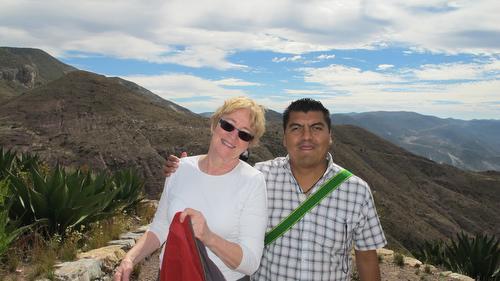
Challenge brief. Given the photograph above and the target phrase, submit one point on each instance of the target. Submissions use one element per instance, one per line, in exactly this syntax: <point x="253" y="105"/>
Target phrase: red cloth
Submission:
<point x="181" y="259"/>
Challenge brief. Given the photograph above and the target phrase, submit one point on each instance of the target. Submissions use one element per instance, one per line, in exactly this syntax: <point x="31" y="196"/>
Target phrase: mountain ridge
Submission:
<point x="467" y="144"/>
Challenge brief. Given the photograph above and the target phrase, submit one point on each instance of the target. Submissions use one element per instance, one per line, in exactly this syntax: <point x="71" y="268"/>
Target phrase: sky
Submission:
<point x="434" y="57"/>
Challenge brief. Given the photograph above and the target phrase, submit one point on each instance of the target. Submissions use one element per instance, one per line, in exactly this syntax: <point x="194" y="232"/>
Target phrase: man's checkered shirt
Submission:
<point x="317" y="247"/>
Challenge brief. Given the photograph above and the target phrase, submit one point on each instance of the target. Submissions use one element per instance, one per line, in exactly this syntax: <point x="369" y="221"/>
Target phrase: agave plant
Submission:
<point x="12" y="163"/>
<point x="431" y="252"/>
<point x="477" y="257"/>
<point x="7" y="162"/>
<point x="59" y="199"/>
<point x="129" y="186"/>
<point x="9" y="229"/>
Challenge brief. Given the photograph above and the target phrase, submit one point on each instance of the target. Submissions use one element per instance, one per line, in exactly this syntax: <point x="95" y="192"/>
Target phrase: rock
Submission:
<point x="26" y="75"/>
<point x="109" y="256"/>
<point x="125" y="244"/>
<point x="456" y="276"/>
<point x="141" y="229"/>
<point x="412" y="262"/>
<point x="131" y="235"/>
<point x="385" y="252"/>
<point x="80" y="270"/>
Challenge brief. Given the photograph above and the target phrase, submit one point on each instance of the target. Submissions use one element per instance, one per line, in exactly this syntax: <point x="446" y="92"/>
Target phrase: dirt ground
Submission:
<point x="389" y="272"/>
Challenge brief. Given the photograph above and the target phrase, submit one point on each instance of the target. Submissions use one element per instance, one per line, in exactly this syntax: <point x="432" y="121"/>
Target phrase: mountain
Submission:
<point x="22" y="69"/>
<point x="82" y="119"/>
<point x="271" y="115"/>
<point x="471" y="145"/>
<point x="87" y="119"/>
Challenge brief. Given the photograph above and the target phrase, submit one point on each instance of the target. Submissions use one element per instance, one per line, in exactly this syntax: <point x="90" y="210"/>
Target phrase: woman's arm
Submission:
<point x="148" y="242"/>
<point x="146" y="245"/>
<point x="252" y="228"/>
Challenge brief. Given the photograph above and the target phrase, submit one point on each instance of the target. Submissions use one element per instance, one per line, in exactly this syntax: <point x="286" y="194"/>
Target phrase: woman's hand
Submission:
<point x="200" y="227"/>
<point x="123" y="271"/>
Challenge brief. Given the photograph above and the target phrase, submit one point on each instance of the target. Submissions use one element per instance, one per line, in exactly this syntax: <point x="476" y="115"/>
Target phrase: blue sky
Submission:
<point x="433" y="57"/>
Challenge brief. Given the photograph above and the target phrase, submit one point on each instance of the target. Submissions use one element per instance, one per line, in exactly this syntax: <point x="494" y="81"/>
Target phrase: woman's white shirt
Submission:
<point x="234" y="206"/>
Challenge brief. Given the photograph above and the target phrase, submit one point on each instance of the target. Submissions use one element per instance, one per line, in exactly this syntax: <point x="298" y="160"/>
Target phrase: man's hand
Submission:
<point x="172" y="164"/>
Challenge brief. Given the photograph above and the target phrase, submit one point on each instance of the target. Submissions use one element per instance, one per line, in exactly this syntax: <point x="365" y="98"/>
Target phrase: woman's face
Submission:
<point x="229" y="144"/>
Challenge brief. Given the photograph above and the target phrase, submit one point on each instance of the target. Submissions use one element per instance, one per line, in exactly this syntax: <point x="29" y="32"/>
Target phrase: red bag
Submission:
<point x="185" y="257"/>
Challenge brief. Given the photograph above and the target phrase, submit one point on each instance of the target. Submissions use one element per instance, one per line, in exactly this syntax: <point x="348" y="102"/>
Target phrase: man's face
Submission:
<point x="307" y="138"/>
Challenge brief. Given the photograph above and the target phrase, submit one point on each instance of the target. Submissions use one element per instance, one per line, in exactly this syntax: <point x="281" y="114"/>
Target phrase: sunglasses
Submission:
<point x="228" y="127"/>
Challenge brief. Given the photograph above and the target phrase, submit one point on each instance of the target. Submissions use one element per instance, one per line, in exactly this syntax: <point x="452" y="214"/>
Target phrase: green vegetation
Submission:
<point x="66" y="211"/>
<point x="58" y="199"/>
<point x="432" y="252"/>
<point x="9" y="230"/>
<point x="477" y="257"/>
<point x="427" y="269"/>
<point x="399" y="259"/>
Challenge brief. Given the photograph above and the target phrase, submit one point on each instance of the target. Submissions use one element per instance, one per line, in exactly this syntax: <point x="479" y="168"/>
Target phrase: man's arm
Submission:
<point x="172" y="164"/>
<point x="367" y="264"/>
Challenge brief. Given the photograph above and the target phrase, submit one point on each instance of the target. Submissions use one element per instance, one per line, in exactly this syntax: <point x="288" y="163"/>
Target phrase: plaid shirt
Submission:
<point x="317" y="247"/>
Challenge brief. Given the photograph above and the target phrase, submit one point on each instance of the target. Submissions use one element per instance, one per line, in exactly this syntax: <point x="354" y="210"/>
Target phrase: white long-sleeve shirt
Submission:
<point x="234" y="206"/>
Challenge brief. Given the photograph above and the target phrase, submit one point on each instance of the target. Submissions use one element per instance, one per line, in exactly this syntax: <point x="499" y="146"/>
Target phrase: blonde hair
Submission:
<point x="257" y="118"/>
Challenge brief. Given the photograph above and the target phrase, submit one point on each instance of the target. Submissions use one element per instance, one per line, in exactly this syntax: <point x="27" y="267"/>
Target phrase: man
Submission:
<point x="318" y="246"/>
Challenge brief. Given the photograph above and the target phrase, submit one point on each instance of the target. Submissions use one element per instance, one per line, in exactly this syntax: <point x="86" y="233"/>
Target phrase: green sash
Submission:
<point x="307" y="205"/>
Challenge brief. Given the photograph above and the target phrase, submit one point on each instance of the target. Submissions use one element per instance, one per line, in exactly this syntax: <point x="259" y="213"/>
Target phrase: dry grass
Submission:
<point x="32" y="256"/>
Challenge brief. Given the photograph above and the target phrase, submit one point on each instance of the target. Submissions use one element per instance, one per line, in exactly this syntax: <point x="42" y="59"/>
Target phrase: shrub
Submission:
<point x="431" y="252"/>
<point x="12" y="163"/>
<point x="427" y="269"/>
<point x="7" y="162"/>
<point x="60" y="200"/>
<point x="399" y="259"/>
<point x="129" y="186"/>
<point x="9" y="229"/>
<point x="477" y="257"/>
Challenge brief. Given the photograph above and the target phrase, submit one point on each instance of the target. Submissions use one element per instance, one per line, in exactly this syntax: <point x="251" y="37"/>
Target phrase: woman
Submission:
<point x="224" y="196"/>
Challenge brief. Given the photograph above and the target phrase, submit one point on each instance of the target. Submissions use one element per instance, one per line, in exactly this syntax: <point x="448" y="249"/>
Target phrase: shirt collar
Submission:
<point x="331" y="170"/>
<point x="329" y="158"/>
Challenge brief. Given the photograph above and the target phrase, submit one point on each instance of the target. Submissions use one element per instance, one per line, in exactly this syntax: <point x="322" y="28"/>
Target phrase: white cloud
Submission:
<point x="210" y="31"/>
<point x="325" y="57"/>
<point x="200" y="57"/>
<point x="385" y="66"/>
<point x="287" y="59"/>
<point x="341" y="77"/>
<point x="467" y="100"/>
<point x="304" y="92"/>
<point x="128" y="48"/>
<point x="235" y="82"/>
<point x="210" y="34"/>
<point x="186" y="89"/>
<point x="457" y="71"/>
<point x="469" y="90"/>
<point x="442" y="26"/>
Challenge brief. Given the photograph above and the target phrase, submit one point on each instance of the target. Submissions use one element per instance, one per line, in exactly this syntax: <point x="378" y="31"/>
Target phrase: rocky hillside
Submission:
<point x="85" y="119"/>
<point x="472" y="145"/>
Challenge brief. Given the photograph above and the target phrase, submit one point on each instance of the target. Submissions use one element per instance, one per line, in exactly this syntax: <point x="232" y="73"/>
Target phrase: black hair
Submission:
<point x="305" y="105"/>
<point x="245" y="155"/>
